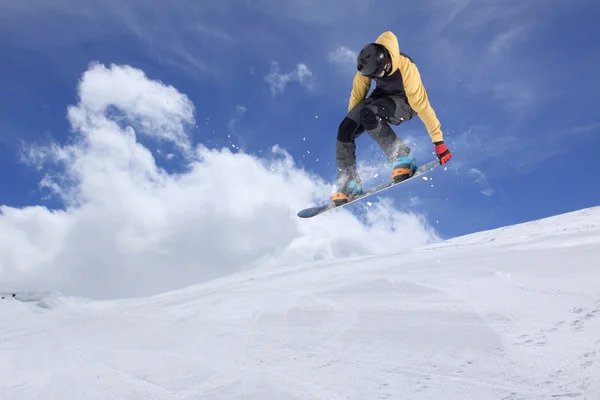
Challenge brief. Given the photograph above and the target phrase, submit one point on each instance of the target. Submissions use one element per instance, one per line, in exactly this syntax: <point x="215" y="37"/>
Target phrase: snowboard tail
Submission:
<point x="421" y="170"/>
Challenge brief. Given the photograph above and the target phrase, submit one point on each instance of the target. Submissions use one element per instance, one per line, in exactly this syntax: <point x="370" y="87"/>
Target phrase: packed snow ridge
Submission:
<point x="512" y="313"/>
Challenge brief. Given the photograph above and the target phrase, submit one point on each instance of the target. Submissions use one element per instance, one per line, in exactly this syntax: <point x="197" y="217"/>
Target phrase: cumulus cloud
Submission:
<point x="131" y="228"/>
<point x="278" y="81"/>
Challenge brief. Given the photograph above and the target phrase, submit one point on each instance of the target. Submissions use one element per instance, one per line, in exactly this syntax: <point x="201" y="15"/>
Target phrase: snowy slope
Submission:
<point x="507" y="314"/>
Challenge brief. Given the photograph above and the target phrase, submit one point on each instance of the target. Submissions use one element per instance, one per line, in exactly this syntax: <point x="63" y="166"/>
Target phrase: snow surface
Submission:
<point x="512" y="313"/>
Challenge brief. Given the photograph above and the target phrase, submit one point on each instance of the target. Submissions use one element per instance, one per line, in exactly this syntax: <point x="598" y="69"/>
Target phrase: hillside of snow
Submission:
<point x="509" y="314"/>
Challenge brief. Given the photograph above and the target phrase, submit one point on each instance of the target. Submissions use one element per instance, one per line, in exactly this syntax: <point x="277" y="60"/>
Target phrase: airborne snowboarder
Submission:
<point x="399" y="95"/>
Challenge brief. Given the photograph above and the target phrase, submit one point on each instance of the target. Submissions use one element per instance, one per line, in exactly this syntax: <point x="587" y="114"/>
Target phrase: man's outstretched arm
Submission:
<point x="418" y="99"/>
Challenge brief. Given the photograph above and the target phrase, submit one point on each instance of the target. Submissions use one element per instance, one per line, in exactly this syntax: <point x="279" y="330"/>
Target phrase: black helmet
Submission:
<point x="372" y="59"/>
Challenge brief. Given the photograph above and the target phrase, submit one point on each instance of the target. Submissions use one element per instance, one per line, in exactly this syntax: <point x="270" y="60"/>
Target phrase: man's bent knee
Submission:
<point x="369" y="119"/>
<point x="347" y="130"/>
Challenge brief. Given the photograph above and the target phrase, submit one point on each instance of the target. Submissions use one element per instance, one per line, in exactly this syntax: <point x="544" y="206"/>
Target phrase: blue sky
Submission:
<point x="514" y="84"/>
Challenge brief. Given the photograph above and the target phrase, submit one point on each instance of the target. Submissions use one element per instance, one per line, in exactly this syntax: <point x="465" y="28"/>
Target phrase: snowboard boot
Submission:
<point x="403" y="168"/>
<point x="347" y="191"/>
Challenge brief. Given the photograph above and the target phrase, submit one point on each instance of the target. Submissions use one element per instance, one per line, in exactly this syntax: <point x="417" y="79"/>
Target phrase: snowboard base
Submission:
<point x="421" y="170"/>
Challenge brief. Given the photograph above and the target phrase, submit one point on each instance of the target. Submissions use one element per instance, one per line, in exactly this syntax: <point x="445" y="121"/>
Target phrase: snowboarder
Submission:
<point x="399" y="95"/>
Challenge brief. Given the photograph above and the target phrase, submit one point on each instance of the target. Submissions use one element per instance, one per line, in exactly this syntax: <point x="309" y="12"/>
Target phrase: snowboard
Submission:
<point x="421" y="170"/>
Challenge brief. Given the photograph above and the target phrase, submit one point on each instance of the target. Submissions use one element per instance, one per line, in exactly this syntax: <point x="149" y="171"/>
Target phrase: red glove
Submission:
<point x="442" y="152"/>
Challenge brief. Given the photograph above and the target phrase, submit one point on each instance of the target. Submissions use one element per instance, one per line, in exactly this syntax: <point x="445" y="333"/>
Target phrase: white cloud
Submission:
<point x="159" y="110"/>
<point x="326" y="13"/>
<point x="473" y="41"/>
<point x="505" y="40"/>
<point x="516" y="96"/>
<point x="239" y="111"/>
<point x="415" y="200"/>
<point x="278" y="81"/>
<point x="343" y="55"/>
<point x="582" y="129"/>
<point x="130" y="228"/>
<point x="214" y="31"/>
<point x="480" y="178"/>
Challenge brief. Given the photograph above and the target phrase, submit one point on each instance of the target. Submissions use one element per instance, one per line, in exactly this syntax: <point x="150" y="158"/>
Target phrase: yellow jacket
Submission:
<point x="415" y="91"/>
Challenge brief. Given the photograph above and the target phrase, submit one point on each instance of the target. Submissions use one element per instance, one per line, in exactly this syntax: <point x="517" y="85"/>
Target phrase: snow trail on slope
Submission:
<point x="508" y="314"/>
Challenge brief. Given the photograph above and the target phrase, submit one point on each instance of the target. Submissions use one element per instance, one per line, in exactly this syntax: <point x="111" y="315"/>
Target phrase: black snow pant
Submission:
<point x="374" y="115"/>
